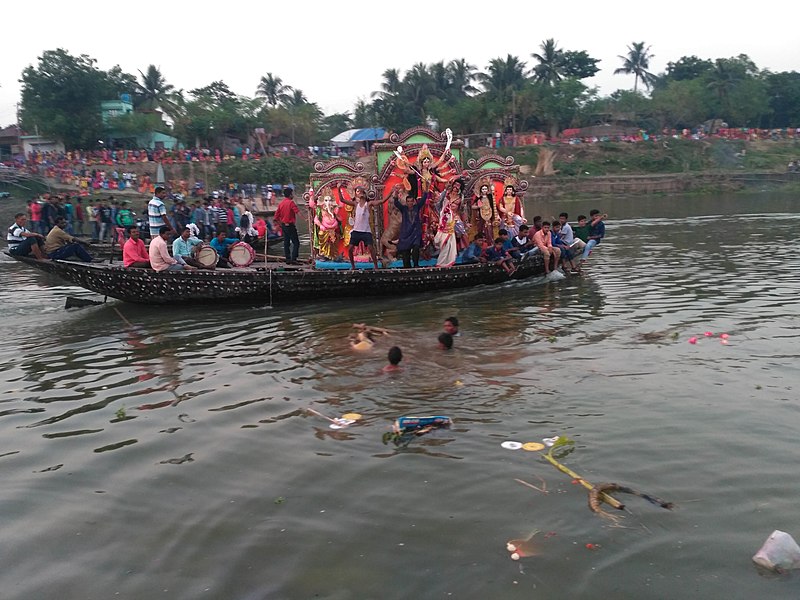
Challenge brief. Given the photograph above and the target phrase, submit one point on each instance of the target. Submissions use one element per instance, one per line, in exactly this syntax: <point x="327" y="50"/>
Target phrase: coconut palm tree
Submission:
<point x="294" y="100"/>
<point x="461" y="75"/>
<point x="549" y="69"/>
<point x="722" y="79"/>
<point x="637" y="62"/>
<point x="155" y="93"/>
<point x="273" y="89"/>
<point x="503" y="76"/>
<point x="440" y="80"/>
<point x="390" y="87"/>
<point x="418" y="84"/>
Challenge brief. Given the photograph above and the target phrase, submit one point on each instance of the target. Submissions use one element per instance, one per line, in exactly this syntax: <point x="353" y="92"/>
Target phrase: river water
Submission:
<point x="167" y="453"/>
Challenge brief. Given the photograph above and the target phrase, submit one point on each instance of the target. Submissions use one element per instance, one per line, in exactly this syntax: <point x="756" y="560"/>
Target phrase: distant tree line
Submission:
<point x="61" y="96"/>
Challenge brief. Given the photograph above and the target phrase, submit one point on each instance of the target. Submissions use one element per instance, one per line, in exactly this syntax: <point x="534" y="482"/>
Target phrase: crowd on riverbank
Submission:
<point x="97" y="219"/>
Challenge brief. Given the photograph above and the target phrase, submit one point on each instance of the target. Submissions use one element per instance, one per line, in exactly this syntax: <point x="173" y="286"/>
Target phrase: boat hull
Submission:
<point x="273" y="284"/>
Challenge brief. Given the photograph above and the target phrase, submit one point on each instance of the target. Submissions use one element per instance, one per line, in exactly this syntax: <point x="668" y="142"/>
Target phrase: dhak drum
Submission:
<point x="241" y="254"/>
<point x="207" y="256"/>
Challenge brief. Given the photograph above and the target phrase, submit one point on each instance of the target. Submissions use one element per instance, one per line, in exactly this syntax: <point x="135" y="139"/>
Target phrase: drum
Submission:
<point x="207" y="256"/>
<point x="241" y="254"/>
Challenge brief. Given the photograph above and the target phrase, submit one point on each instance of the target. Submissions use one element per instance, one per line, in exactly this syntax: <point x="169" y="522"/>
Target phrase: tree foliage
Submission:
<point x="61" y="97"/>
<point x="62" y="93"/>
<point x="636" y="63"/>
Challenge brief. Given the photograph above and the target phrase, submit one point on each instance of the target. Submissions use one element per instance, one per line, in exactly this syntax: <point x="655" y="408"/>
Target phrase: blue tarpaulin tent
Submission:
<point x="351" y="137"/>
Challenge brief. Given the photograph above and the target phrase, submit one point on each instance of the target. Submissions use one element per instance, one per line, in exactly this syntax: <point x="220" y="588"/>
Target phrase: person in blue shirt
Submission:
<point x="184" y="247"/>
<point x="498" y="255"/>
<point x="558" y="242"/>
<point x="508" y="244"/>
<point x="474" y="252"/>
<point x="222" y="245"/>
<point x="597" y="231"/>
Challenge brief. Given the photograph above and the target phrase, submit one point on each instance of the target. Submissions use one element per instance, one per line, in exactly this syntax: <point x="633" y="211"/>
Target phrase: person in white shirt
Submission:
<point x="568" y="236"/>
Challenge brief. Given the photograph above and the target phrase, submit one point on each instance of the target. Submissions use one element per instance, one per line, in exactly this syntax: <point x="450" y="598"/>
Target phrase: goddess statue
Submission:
<point x="510" y="205"/>
<point x="485" y="219"/>
<point x="425" y="171"/>
<point x="450" y="226"/>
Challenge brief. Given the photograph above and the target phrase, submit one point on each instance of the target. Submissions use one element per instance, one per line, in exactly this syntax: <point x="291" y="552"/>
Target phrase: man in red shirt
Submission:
<point x="286" y="217"/>
<point x="544" y="242"/>
<point x="134" y="254"/>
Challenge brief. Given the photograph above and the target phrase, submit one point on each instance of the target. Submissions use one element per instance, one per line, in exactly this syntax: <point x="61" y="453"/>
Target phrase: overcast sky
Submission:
<point x="336" y="52"/>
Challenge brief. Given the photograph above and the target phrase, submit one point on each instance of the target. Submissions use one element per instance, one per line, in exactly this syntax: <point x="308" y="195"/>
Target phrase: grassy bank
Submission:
<point x="660" y="158"/>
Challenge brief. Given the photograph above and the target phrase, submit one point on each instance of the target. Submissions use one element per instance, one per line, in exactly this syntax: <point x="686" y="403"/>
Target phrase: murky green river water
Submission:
<point x="166" y="452"/>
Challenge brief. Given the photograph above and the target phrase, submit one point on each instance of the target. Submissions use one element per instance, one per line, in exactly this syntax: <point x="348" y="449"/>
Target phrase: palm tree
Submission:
<point x="551" y="63"/>
<point x="294" y="100"/>
<point x="273" y="89"/>
<point x="503" y="76"/>
<point x="723" y="78"/>
<point x="440" y="80"/>
<point x="390" y="87"/>
<point x="461" y="75"/>
<point x="155" y="93"/>
<point x="418" y="84"/>
<point x="637" y="62"/>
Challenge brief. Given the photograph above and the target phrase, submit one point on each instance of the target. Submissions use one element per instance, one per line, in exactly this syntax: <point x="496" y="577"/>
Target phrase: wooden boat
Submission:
<point x="262" y="283"/>
<point x="273" y="283"/>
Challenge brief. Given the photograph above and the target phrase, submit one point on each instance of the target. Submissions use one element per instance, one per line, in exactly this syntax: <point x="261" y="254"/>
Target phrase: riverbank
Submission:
<point x="602" y="168"/>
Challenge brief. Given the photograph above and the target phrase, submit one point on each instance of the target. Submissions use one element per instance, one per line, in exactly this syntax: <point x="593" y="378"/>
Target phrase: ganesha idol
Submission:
<point x="327" y="228"/>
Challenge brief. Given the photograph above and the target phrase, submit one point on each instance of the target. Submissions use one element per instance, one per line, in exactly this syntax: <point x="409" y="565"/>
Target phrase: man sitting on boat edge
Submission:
<point x="134" y="254"/>
<point x="159" y="255"/>
<point x="184" y="248"/>
<point x="60" y="245"/>
<point x="21" y="241"/>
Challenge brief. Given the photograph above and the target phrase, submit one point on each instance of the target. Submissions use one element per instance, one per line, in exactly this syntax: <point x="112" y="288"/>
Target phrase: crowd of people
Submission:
<point x="57" y="227"/>
<point x="430" y="217"/>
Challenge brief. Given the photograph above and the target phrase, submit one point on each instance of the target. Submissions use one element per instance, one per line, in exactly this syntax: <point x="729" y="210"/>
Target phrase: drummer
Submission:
<point x="184" y="248"/>
<point x="222" y="245"/>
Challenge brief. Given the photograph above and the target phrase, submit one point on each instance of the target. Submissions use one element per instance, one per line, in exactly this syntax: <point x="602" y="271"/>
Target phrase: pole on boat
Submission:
<point x="310" y="203"/>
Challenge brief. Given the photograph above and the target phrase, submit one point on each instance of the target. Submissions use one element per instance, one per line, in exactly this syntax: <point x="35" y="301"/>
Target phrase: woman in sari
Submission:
<point x="450" y="225"/>
<point x="484" y="214"/>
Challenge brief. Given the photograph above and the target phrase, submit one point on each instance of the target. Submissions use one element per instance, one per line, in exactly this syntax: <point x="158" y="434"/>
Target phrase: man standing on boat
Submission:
<point x="157" y="213"/>
<point x="286" y="217"/>
<point x="22" y="242"/>
<point x="410" y="229"/>
<point x="362" y="230"/>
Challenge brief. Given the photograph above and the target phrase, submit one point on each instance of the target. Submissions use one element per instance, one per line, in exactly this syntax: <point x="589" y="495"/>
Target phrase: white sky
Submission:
<point x="336" y="53"/>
